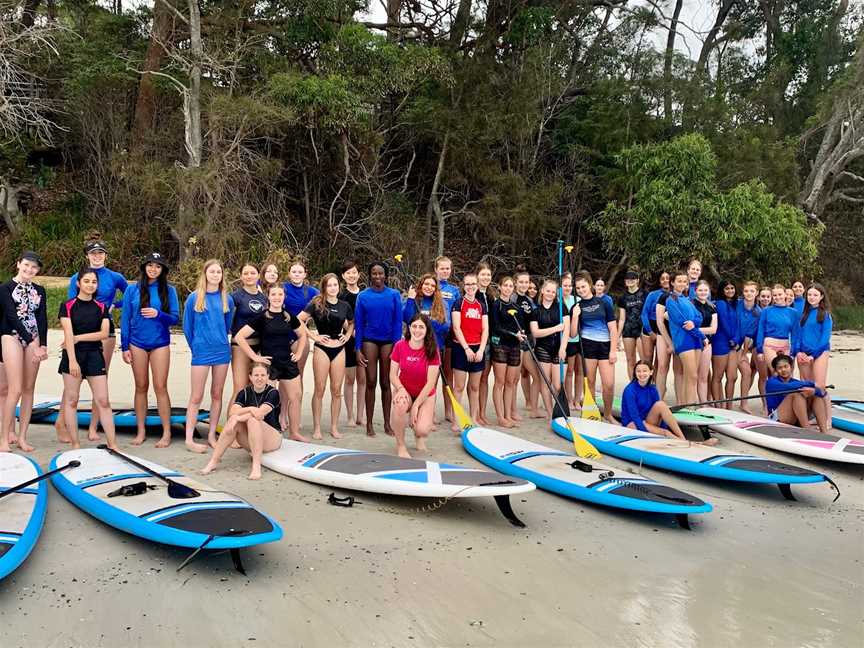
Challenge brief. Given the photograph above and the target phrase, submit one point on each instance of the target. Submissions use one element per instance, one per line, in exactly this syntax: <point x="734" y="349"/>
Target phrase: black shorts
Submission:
<point x="350" y="354"/>
<point x="379" y="343"/>
<point x="91" y="361"/>
<point x="254" y="344"/>
<point x="330" y="352"/>
<point x="595" y="350"/>
<point x="283" y="370"/>
<point x="572" y="349"/>
<point x="111" y="331"/>
<point x="545" y="354"/>
<point x="509" y="355"/>
<point x="632" y="329"/>
<point x="654" y="327"/>
<point x="460" y="361"/>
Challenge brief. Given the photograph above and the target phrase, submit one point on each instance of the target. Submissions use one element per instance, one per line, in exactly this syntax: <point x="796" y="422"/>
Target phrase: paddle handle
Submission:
<point x="137" y="464"/>
<point x="72" y="464"/>
<point x="676" y="408"/>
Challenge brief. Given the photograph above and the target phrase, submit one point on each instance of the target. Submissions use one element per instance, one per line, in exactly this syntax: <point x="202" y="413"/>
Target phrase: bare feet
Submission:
<point x="24" y="446"/>
<point x="64" y="439"/>
<point x="370" y="432"/>
<point x="191" y="446"/>
<point x="235" y="445"/>
<point x="13" y="440"/>
<point x="298" y="437"/>
<point x="317" y="435"/>
<point x="611" y="419"/>
<point x="4" y="447"/>
<point x="536" y="414"/>
<point x="210" y="467"/>
<point x="77" y="446"/>
<point x="516" y="418"/>
<point x="336" y="434"/>
<point x="139" y="439"/>
<point x="388" y="431"/>
<point x="710" y="442"/>
<point x="255" y="473"/>
<point x="165" y="441"/>
<point x="402" y="451"/>
<point x="211" y="440"/>
<point x="482" y="420"/>
<point x="746" y="409"/>
<point x="421" y="445"/>
<point x="506" y="423"/>
<point x="93" y="436"/>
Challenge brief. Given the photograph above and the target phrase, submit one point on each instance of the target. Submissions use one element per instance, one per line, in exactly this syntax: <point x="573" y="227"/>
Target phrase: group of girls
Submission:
<point x="710" y="341"/>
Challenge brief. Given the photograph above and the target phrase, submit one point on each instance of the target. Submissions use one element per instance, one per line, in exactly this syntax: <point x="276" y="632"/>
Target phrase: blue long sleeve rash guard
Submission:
<point x="378" y="316"/>
<point x="207" y="332"/>
<point x="681" y="310"/>
<point x="779" y="322"/>
<point x="147" y="333"/>
<point x="440" y="328"/>
<point x="636" y="402"/>
<point x="774" y="384"/>
<point x="814" y="338"/>
<point x="110" y="283"/>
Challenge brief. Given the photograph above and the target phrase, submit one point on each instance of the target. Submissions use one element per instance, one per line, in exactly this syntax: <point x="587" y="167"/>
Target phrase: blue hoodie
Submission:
<point x="207" y="332"/>
<point x="147" y="333"/>
<point x="814" y="338"/>
<point x="378" y="316"/>
<point x="441" y="328"/>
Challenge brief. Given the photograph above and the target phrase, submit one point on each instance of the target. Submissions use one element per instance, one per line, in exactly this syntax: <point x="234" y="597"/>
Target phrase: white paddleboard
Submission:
<point x="22" y="514"/>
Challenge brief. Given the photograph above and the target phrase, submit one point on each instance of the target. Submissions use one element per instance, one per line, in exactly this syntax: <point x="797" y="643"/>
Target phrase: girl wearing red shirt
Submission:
<point x="470" y="321"/>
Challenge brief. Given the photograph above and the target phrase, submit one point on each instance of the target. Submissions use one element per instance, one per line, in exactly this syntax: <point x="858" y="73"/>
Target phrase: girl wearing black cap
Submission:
<point x="24" y="342"/>
<point x="630" y="318"/>
<point x="145" y="336"/>
<point x="110" y="283"/>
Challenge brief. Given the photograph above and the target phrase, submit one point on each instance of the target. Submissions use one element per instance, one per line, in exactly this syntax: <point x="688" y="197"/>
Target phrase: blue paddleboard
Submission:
<point x="22" y="514"/>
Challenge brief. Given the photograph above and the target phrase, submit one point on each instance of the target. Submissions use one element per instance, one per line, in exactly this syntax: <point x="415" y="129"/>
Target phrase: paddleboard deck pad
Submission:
<point x="789" y="438"/>
<point x="22" y="514"/>
<point x="848" y="415"/>
<point x="48" y="411"/>
<point x="687" y="417"/>
<point x="387" y="474"/>
<point x="212" y="520"/>
<point x="566" y="474"/>
<point x="685" y="457"/>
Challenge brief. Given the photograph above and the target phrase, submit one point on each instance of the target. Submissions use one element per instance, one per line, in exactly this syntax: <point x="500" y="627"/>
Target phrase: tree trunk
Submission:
<point x="192" y="103"/>
<point x="667" y="64"/>
<point x="434" y="206"/>
<point x="394" y="10"/>
<point x="145" y="105"/>
<point x="460" y="24"/>
<point x="28" y="15"/>
<point x="704" y="54"/>
<point x="9" y="206"/>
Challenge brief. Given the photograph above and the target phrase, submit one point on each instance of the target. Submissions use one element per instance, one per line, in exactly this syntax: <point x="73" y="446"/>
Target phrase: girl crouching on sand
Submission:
<point x="253" y="421"/>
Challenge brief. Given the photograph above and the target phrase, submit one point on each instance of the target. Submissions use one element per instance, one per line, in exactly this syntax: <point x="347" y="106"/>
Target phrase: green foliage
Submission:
<point x="849" y="318"/>
<point x="673" y="209"/>
<point x="327" y="103"/>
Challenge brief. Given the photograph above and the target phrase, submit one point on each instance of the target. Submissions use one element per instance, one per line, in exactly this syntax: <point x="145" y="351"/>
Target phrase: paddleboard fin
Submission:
<point x="683" y="521"/>
<point x="503" y="502"/>
<point x="786" y="489"/>
<point x="238" y="563"/>
<point x="834" y="486"/>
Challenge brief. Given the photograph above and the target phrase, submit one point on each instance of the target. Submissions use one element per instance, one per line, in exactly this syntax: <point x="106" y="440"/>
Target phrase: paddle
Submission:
<point x="676" y="408"/>
<point x="561" y="408"/>
<point x="583" y="448"/>
<point x="14" y="489"/>
<point x="176" y="490"/>
<point x="463" y="419"/>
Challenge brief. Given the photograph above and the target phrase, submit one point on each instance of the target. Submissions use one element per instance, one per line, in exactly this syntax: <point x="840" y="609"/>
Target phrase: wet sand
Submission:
<point x="758" y="570"/>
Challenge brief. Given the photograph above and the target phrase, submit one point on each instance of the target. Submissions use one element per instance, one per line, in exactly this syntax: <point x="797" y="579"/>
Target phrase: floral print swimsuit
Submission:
<point x="27" y="301"/>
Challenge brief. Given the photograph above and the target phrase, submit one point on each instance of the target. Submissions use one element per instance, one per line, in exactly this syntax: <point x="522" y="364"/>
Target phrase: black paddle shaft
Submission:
<point x="72" y="464"/>
<point x="676" y="408"/>
<point x="176" y="490"/>
<point x="556" y="397"/>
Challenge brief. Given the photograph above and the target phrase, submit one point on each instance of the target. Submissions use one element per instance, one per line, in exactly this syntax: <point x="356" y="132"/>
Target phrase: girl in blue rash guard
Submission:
<point x="794" y="408"/>
<point x="694" y="273"/>
<point x="110" y="283"/>
<point x="298" y="294"/>
<point x="649" y="319"/>
<point x="708" y="326"/>
<point x="207" y="326"/>
<point x="814" y="339"/>
<point x="600" y="292"/>
<point x="426" y="298"/>
<point x="687" y="339"/>
<point x="377" y="325"/>
<point x="724" y="347"/>
<point x="249" y="303"/>
<point x="778" y="325"/>
<point x="593" y="319"/>
<point x="799" y="296"/>
<point x="150" y="309"/>
<point x="643" y="409"/>
<point x="747" y="316"/>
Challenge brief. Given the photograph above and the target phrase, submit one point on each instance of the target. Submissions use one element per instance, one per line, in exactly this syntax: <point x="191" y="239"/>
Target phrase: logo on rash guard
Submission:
<point x="256" y="306"/>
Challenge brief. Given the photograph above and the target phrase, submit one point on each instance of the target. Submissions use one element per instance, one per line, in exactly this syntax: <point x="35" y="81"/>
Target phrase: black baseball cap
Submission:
<point x="155" y="257"/>
<point x="95" y="246"/>
<point x="30" y="255"/>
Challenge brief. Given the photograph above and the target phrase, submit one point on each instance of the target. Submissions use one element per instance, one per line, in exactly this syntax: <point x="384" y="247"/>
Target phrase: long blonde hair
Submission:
<point x="201" y="288"/>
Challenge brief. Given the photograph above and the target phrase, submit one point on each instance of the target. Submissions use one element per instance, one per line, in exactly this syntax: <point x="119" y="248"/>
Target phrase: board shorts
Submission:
<point x="283" y="370"/>
<point x="631" y="329"/>
<point x="572" y="349"/>
<point x="546" y="354"/>
<point x="596" y="350"/>
<point x="459" y="361"/>
<point x="91" y="361"/>
<point x="509" y="355"/>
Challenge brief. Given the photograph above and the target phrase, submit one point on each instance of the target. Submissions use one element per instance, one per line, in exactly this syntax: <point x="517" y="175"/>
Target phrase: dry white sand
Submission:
<point x="757" y="571"/>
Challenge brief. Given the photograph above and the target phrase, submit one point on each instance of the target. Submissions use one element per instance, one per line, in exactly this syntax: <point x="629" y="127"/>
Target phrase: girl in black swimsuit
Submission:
<point x="334" y="325"/>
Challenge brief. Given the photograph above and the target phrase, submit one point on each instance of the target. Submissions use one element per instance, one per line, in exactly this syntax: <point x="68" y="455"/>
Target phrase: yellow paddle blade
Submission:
<point x="583" y="448"/>
<point x="462" y="417"/>
<point x="590" y="410"/>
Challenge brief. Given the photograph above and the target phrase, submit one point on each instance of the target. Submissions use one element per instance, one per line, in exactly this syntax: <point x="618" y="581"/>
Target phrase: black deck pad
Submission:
<point x="766" y="466"/>
<point x="4" y="547"/>
<point x="359" y="463"/>
<point x="219" y="522"/>
<point x="653" y="493"/>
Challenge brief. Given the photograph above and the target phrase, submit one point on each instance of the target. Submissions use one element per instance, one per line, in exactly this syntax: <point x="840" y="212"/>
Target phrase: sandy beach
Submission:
<point x="758" y="570"/>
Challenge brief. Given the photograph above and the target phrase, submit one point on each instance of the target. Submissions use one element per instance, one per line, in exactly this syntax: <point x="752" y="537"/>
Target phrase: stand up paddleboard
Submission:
<point x="848" y="414"/>
<point x="374" y="472"/>
<point x="49" y="410"/>
<point x="568" y="475"/>
<point x="685" y="457"/>
<point x="182" y="512"/>
<point x="686" y="417"/>
<point x="787" y="438"/>
<point x="22" y="513"/>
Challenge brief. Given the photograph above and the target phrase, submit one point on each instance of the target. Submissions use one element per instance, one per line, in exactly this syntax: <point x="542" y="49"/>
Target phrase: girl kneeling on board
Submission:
<point x="253" y="420"/>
